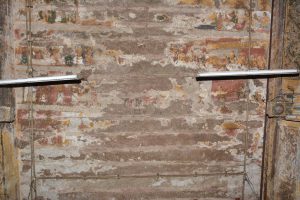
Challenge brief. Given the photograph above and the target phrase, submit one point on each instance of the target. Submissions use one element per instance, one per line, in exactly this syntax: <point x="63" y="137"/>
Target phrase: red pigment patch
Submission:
<point x="57" y="140"/>
<point x="227" y="90"/>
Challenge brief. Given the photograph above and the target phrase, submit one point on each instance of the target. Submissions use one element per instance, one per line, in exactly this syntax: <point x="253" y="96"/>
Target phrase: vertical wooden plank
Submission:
<point x="275" y="62"/>
<point x="279" y="133"/>
<point x="298" y="169"/>
<point x="9" y="188"/>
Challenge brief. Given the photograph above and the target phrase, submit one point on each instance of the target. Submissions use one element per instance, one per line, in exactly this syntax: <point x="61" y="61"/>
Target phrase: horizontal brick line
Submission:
<point x="142" y="118"/>
<point x="136" y="25"/>
<point x="228" y="164"/>
<point x="137" y="164"/>
<point x="197" y="36"/>
<point x="100" y="71"/>
<point x="134" y="162"/>
<point x="158" y="38"/>
<point x="95" y="28"/>
<point x="116" y="76"/>
<point x="138" y="117"/>
<point x="97" y="135"/>
<point x="144" y="154"/>
<point x="130" y="148"/>
<point x="142" y="176"/>
<point x="150" y="133"/>
<point x="130" y="6"/>
<point x="92" y="149"/>
<point x="159" y="8"/>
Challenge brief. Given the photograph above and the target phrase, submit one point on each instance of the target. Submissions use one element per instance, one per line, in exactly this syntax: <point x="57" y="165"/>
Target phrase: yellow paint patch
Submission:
<point x="236" y="3"/>
<point x="217" y="62"/>
<point x="297" y="99"/>
<point x="264" y="5"/>
<point x="198" y="2"/>
<point x="230" y="126"/>
<point x="67" y="142"/>
<point x="178" y="88"/>
<point x="105" y="124"/>
<point x="11" y="166"/>
<point x="229" y="44"/>
<point x="255" y="143"/>
<point x="290" y="124"/>
<point x="66" y="122"/>
<point x="91" y="124"/>
<point x="219" y="93"/>
<point x="108" y="23"/>
<point x="112" y="53"/>
<point x="290" y="85"/>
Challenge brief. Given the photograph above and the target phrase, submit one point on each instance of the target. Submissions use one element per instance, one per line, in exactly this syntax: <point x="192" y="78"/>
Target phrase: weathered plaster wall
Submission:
<point x="141" y="125"/>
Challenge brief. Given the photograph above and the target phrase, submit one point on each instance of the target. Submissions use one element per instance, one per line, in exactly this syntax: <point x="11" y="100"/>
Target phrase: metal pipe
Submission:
<point x="37" y="80"/>
<point x="247" y="74"/>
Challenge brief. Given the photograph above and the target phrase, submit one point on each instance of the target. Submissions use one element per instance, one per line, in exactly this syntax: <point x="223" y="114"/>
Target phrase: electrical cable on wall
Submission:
<point x="246" y="135"/>
<point x="33" y="192"/>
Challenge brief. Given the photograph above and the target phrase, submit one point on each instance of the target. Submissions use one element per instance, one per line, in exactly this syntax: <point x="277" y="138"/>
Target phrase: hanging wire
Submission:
<point x="251" y="186"/>
<point x="246" y="135"/>
<point x="32" y="193"/>
<point x="247" y="132"/>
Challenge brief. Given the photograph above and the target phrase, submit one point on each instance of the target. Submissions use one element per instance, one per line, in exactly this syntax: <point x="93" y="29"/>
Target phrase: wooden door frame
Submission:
<point x="277" y="55"/>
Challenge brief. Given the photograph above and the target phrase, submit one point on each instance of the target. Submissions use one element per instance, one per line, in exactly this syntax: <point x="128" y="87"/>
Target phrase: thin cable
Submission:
<point x="251" y="186"/>
<point x="246" y="135"/>
<point x="33" y="193"/>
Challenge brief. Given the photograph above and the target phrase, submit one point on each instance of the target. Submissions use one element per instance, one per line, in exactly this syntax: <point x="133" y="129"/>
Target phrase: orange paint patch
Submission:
<point x="217" y="62"/>
<point x="264" y="5"/>
<point x="236" y="3"/>
<point x="225" y="43"/>
<point x="230" y="128"/>
<point x="108" y="23"/>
